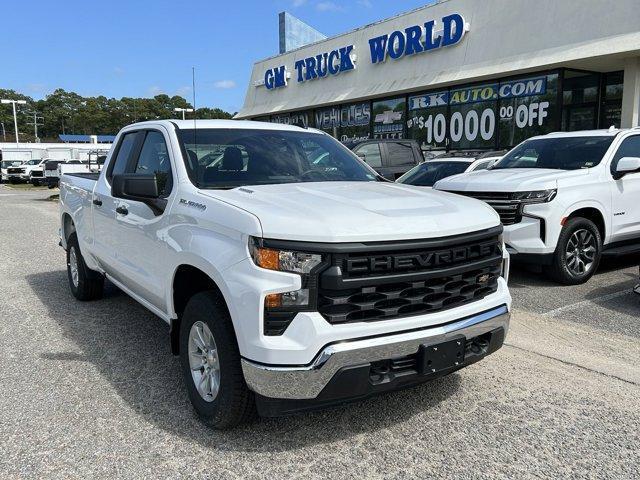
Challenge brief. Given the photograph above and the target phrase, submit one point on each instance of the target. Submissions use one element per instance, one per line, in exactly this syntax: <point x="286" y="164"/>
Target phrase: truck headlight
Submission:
<point x="537" y="196"/>
<point x="280" y="308"/>
<point x="283" y="260"/>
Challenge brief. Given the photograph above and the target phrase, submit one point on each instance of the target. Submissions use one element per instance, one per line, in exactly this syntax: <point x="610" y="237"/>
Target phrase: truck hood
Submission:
<point x="508" y="180"/>
<point x="357" y="211"/>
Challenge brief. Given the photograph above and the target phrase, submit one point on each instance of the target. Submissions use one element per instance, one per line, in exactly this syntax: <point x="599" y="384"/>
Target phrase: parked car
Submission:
<point x="565" y="199"/>
<point x="287" y="284"/>
<point x="54" y="169"/>
<point x="16" y="170"/>
<point x="429" y="172"/>
<point x="389" y="157"/>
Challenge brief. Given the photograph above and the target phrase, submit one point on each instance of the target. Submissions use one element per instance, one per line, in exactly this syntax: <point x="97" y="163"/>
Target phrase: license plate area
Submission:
<point x="442" y="356"/>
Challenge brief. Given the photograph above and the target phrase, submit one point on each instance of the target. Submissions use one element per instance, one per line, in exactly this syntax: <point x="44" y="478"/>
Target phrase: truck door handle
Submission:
<point x="122" y="210"/>
<point x="97" y="202"/>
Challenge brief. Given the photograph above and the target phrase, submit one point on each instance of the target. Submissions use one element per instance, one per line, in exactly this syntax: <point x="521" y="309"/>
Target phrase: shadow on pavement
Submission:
<point x="525" y="276"/>
<point x="129" y="346"/>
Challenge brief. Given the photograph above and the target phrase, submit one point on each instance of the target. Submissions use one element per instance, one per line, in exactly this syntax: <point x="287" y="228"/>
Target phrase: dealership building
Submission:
<point x="462" y="74"/>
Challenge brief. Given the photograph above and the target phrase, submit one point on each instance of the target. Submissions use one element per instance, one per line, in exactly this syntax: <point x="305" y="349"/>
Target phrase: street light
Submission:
<point x="183" y="110"/>
<point x="4" y="133"/>
<point x="15" y="117"/>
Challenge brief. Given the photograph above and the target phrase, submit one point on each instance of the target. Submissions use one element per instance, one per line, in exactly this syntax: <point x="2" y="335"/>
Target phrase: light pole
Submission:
<point x="183" y="110"/>
<point x="4" y="133"/>
<point x="15" y="117"/>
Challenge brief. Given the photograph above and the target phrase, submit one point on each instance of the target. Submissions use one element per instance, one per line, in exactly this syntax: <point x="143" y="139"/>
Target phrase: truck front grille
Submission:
<point x="15" y="170"/>
<point x="508" y="209"/>
<point x="37" y="173"/>
<point x="411" y="279"/>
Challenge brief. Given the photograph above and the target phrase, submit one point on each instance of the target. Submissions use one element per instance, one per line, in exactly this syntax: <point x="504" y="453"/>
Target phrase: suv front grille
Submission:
<point x="508" y="209"/>
<point x="412" y="278"/>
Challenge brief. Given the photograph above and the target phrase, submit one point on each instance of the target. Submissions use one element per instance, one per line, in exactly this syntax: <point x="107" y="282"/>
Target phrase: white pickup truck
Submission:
<point x="287" y="284"/>
<point x="565" y="199"/>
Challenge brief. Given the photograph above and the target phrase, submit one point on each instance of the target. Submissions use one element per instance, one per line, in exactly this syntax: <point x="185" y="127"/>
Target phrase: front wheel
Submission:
<point x="211" y="363"/>
<point x="578" y="252"/>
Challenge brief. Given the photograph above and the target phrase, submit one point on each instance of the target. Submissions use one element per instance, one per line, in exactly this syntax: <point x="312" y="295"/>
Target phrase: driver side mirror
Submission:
<point x="627" y="165"/>
<point x="139" y="188"/>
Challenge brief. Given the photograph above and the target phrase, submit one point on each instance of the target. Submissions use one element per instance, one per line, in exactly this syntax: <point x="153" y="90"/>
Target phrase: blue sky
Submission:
<point x="140" y="48"/>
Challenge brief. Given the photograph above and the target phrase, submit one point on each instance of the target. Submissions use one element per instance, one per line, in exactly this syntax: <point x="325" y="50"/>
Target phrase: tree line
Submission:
<point x="70" y="113"/>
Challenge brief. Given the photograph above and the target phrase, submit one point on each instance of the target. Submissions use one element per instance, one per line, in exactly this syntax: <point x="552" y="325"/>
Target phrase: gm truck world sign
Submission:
<point x="413" y="40"/>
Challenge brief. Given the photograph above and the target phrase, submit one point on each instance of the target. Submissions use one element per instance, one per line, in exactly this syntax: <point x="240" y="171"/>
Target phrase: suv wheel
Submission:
<point x="211" y="366"/>
<point x="85" y="283"/>
<point x="578" y="253"/>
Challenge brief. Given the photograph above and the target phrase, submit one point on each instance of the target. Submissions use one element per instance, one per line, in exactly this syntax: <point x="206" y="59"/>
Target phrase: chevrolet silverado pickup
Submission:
<point x="565" y="199"/>
<point x="287" y="284"/>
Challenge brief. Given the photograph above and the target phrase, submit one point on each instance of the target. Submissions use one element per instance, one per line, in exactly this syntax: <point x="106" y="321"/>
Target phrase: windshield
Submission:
<point x="565" y="153"/>
<point x="10" y="163"/>
<point x="33" y="162"/>
<point x="228" y="158"/>
<point x="428" y="173"/>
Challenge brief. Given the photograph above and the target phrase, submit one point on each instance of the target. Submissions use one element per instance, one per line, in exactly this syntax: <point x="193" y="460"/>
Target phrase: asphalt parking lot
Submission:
<point x="91" y="390"/>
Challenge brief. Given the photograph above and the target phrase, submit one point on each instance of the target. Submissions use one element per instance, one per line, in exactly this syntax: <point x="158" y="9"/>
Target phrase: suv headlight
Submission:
<point x="537" y="196"/>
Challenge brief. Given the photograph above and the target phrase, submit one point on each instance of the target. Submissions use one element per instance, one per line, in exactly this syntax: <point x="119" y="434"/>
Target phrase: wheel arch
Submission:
<point x="187" y="280"/>
<point x="595" y="215"/>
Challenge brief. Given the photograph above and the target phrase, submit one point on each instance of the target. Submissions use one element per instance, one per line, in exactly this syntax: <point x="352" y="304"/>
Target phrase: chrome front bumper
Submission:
<point x="306" y="382"/>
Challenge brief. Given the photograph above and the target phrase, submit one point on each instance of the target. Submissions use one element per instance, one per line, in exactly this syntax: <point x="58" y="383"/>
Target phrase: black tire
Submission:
<point x="234" y="403"/>
<point x="561" y="269"/>
<point x="89" y="284"/>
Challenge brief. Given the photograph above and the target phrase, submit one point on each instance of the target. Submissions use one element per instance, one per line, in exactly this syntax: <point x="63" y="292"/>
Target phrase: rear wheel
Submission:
<point x="85" y="283"/>
<point x="211" y="363"/>
<point x="578" y="252"/>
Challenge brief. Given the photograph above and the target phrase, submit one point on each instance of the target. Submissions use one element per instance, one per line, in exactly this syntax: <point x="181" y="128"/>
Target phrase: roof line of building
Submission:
<point x="333" y="37"/>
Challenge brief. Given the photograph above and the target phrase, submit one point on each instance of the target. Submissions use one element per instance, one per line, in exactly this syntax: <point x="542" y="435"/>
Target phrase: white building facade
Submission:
<point x="463" y="74"/>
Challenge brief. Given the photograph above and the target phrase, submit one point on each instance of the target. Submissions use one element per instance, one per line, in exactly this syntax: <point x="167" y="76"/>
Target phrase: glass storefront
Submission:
<point x="484" y="116"/>
<point x="388" y="118"/>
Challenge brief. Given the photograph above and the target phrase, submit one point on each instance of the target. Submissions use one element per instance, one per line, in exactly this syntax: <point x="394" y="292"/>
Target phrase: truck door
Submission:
<point x="625" y="194"/>
<point x="130" y="231"/>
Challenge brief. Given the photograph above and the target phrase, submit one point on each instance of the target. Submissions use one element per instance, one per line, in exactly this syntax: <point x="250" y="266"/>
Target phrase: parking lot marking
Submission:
<point x="567" y="308"/>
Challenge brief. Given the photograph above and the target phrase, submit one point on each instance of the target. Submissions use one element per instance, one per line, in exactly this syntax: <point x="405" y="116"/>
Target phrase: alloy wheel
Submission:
<point x="204" y="361"/>
<point x="581" y="252"/>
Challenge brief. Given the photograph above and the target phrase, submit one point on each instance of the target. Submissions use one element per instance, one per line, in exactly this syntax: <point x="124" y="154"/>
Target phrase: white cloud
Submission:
<point x="328" y="7"/>
<point x="184" y="91"/>
<point x="118" y="71"/>
<point x="365" y="3"/>
<point x="298" y="3"/>
<point x="224" y="84"/>
<point x="154" y="90"/>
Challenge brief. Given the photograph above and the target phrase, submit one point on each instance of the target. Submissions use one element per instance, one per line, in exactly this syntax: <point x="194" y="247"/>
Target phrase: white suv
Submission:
<point x="565" y="199"/>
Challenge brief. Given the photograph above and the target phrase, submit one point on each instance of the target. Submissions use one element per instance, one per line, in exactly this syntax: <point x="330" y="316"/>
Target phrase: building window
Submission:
<point x="355" y="122"/>
<point x="388" y="118"/>
<point x="611" y="106"/>
<point x="528" y="107"/>
<point x="473" y="117"/>
<point x="328" y="120"/>
<point x="428" y="118"/>
<point x="580" y="100"/>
